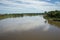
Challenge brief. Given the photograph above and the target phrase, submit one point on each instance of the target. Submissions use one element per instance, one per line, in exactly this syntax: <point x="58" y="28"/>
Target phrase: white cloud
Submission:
<point x="34" y="5"/>
<point x="57" y="3"/>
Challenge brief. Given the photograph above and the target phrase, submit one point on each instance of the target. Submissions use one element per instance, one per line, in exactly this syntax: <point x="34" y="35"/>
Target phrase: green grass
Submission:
<point x="53" y="19"/>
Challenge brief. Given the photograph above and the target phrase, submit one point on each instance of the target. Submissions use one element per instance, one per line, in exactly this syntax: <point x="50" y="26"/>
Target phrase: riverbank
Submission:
<point x="56" y="23"/>
<point x="52" y="19"/>
<point x="52" y="15"/>
<point x="3" y="16"/>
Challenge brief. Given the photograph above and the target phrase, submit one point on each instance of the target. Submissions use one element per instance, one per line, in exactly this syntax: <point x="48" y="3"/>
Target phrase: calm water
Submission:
<point x="28" y="28"/>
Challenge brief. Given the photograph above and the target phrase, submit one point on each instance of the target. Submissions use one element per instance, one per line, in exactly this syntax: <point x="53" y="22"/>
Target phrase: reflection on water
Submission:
<point x="56" y="23"/>
<point x="28" y="28"/>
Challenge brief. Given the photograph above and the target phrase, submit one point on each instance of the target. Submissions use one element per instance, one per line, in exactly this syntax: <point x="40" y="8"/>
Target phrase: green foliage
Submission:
<point x="3" y="16"/>
<point x="53" y="14"/>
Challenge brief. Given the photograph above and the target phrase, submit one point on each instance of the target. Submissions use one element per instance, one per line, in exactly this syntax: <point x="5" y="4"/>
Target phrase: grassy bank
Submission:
<point x="56" y="23"/>
<point x="3" y="16"/>
<point x="52" y="15"/>
<point x="53" y="19"/>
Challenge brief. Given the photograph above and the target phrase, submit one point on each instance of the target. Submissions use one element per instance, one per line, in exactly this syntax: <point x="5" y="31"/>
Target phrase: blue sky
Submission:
<point x="28" y="6"/>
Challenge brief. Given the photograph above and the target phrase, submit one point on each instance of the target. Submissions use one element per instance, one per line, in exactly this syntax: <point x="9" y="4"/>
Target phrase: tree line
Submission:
<point x="53" y="14"/>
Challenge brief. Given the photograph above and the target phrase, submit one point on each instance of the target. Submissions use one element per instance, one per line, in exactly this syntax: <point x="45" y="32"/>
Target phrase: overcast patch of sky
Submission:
<point x="28" y="6"/>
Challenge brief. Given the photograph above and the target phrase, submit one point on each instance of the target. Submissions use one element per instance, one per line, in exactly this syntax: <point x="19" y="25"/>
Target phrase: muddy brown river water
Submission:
<point x="28" y="28"/>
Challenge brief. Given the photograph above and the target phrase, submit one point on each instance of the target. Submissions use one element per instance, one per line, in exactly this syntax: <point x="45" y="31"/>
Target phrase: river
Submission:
<point x="28" y="28"/>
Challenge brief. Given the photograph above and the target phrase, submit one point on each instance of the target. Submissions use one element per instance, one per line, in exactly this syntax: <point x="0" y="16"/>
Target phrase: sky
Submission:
<point x="28" y="6"/>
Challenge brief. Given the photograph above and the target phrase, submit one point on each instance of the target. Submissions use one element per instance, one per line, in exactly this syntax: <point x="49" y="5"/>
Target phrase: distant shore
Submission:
<point x="52" y="19"/>
<point x="2" y="16"/>
<point x="52" y="15"/>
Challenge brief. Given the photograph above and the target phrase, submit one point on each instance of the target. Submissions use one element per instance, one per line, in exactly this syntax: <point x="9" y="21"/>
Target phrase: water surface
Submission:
<point x="28" y="28"/>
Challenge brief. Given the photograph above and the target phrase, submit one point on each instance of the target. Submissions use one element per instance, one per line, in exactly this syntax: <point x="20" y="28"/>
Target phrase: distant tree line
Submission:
<point x="21" y="14"/>
<point x="53" y="14"/>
